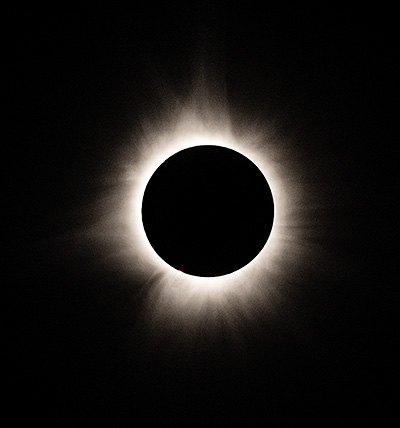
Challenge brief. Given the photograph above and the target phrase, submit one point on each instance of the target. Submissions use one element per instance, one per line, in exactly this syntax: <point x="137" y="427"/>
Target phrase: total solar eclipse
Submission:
<point x="207" y="211"/>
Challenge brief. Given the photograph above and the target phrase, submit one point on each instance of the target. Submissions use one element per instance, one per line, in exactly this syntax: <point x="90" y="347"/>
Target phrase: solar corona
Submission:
<point x="204" y="212"/>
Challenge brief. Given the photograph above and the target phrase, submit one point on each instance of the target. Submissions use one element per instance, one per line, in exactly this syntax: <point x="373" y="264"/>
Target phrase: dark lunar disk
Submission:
<point x="207" y="211"/>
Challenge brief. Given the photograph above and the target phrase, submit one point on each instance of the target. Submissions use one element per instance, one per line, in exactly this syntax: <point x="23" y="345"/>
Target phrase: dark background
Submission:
<point x="81" y="80"/>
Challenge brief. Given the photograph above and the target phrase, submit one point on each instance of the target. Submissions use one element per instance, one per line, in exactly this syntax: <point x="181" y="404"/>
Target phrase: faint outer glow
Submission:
<point x="172" y="299"/>
<point x="111" y="237"/>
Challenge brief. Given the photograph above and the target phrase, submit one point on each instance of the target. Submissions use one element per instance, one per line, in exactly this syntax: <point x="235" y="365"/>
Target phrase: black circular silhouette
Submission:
<point x="207" y="211"/>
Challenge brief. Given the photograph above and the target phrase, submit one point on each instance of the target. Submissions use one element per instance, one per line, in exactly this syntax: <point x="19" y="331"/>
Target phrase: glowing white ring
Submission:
<point x="179" y="288"/>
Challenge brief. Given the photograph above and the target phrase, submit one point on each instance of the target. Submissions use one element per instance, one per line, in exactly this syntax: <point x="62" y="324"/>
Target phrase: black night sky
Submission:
<point x="83" y="81"/>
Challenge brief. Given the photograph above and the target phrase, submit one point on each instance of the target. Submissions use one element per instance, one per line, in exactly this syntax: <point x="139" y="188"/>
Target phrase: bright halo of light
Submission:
<point x="186" y="294"/>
